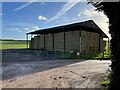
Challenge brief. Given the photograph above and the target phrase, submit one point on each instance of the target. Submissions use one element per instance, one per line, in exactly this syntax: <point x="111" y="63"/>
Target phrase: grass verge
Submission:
<point x="106" y="79"/>
<point x="67" y="55"/>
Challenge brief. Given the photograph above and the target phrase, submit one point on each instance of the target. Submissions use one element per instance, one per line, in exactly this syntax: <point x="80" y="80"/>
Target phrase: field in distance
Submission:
<point x="12" y="44"/>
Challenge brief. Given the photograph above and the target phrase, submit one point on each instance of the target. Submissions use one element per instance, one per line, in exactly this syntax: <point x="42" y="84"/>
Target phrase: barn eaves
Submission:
<point x="86" y="25"/>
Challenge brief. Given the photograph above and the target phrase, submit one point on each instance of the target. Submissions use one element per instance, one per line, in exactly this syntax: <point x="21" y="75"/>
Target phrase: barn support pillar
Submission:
<point x="53" y="40"/>
<point x="64" y="41"/>
<point x="99" y="41"/>
<point x="37" y="41"/>
<point x="27" y="42"/>
<point x="44" y="41"/>
<point x="80" y="41"/>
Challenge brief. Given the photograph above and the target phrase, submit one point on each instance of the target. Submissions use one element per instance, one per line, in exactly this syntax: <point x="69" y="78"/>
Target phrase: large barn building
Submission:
<point x="84" y="37"/>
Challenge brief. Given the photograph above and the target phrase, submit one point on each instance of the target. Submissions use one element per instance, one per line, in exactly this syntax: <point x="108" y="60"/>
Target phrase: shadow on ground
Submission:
<point x="24" y="65"/>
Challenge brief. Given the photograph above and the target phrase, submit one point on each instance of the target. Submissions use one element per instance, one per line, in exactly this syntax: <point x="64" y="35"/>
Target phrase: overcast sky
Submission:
<point x="18" y="18"/>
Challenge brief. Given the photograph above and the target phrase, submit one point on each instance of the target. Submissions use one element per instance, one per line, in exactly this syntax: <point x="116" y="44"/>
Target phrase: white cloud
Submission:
<point x="69" y="20"/>
<point x="19" y="31"/>
<point x="26" y="29"/>
<point x="90" y="12"/>
<point x="13" y="29"/>
<point x="25" y="5"/>
<point x="79" y="14"/>
<point x="99" y="18"/>
<point x="42" y="18"/>
<point x="66" y="7"/>
<point x="35" y="28"/>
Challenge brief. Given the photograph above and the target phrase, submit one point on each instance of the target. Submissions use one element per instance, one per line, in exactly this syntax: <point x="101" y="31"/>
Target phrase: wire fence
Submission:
<point x="29" y="54"/>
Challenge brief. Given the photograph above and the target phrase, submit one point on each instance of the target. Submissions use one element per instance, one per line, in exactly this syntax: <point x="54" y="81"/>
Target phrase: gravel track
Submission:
<point x="54" y="74"/>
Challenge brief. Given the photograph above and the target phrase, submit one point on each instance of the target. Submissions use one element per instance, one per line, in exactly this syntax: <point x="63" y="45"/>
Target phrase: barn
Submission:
<point x="84" y="37"/>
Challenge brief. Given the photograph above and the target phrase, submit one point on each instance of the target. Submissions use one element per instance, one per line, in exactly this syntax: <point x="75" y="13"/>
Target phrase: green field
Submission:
<point x="12" y="44"/>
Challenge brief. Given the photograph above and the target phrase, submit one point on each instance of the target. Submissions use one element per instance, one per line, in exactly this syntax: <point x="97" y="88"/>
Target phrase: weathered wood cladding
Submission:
<point x="31" y="43"/>
<point x="37" y="42"/>
<point x="90" y="42"/>
<point x="72" y="41"/>
<point x="34" y="43"/>
<point x="41" y="42"/>
<point x="102" y="45"/>
<point x="69" y="41"/>
<point x="59" y="41"/>
<point x="48" y="42"/>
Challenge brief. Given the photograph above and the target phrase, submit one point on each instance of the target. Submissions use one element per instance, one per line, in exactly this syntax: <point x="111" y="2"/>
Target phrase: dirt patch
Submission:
<point x="54" y="74"/>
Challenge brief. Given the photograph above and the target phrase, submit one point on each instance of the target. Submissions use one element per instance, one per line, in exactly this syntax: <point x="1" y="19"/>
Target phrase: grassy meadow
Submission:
<point x="12" y="44"/>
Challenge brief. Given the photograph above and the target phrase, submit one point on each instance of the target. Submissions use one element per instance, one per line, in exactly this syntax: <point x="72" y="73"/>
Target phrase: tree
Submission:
<point x="112" y="11"/>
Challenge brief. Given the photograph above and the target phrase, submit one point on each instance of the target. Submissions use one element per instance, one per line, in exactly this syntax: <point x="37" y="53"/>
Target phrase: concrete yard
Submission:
<point x="54" y="73"/>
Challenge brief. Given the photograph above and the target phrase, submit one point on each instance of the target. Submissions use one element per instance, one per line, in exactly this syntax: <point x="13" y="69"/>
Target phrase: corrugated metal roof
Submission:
<point x="86" y="26"/>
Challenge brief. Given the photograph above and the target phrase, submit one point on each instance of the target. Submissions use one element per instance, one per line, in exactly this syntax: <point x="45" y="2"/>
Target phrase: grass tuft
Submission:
<point x="106" y="79"/>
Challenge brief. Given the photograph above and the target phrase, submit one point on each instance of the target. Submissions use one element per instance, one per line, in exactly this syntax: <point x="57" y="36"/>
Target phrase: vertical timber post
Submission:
<point x="37" y="41"/>
<point x="44" y="41"/>
<point x="64" y="41"/>
<point x="53" y="40"/>
<point x="80" y="41"/>
<point x="30" y="43"/>
<point x="99" y="41"/>
<point x="27" y="40"/>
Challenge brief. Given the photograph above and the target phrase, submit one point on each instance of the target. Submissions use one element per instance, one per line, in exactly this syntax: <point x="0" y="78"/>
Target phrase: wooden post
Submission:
<point x="80" y="41"/>
<point x="37" y="41"/>
<point x="27" y="40"/>
<point x="64" y="41"/>
<point x="99" y="42"/>
<point x="53" y="40"/>
<point x="44" y="41"/>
